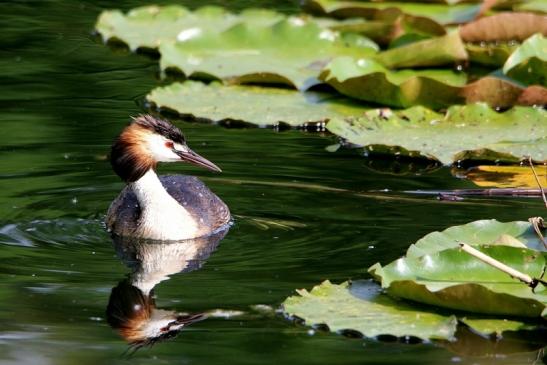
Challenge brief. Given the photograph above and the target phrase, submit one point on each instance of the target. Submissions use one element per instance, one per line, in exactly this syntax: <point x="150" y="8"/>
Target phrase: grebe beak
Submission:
<point x="193" y="158"/>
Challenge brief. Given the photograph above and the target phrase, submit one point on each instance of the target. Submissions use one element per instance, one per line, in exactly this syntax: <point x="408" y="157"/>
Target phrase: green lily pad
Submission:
<point x="292" y="52"/>
<point x="442" y="14"/>
<point x="252" y="104"/>
<point x="528" y="63"/>
<point x="430" y="52"/>
<point x="368" y="80"/>
<point x="149" y="26"/>
<point x="361" y="307"/>
<point x="481" y="232"/>
<point x="536" y="6"/>
<point x="390" y="25"/>
<point x="472" y="131"/>
<point x="490" y="54"/>
<point x="456" y="280"/>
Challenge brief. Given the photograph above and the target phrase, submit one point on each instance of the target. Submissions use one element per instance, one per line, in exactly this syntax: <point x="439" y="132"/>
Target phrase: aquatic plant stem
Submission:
<point x="527" y="279"/>
<point x="538" y="224"/>
<point x="537" y="181"/>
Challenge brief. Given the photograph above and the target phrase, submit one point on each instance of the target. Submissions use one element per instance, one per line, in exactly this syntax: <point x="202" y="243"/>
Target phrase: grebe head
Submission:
<point x="147" y="141"/>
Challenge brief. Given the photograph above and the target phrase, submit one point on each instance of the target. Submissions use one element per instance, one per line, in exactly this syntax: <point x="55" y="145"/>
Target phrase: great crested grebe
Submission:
<point x="173" y="207"/>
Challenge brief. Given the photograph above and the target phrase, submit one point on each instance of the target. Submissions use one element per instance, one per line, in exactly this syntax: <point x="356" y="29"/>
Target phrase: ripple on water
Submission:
<point x="59" y="232"/>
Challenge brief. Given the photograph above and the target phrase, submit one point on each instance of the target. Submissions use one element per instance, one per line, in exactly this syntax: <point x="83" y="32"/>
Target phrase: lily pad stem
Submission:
<point x="538" y="224"/>
<point x="537" y="181"/>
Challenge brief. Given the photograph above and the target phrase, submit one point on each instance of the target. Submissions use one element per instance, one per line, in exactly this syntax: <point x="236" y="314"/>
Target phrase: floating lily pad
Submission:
<point x="482" y="232"/>
<point x="149" y="26"/>
<point x="472" y="131"/>
<point x="456" y="280"/>
<point x="368" y="80"/>
<point x="528" y="63"/>
<point x="430" y="52"/>
<point x="389" y="25"/>
<point x="504" y="27"/>
<point x="442" y="14"/>
<point x="506" y="176"/>
<point x="536" y="6"/>
<point x="252" y="104"/>
<point x="503" y="93"/>
<point x="490" y="53"/>
<point x="292" y="52"/>
<point x="361" y="307"/>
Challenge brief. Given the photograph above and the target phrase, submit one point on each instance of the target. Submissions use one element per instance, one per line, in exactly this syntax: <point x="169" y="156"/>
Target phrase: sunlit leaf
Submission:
<point x="472" y="131"/>
<point x="442" y="14"/>
<point x="389" y="25"/>
<point x="537" y="6"/>
<point x="490" y="54"/>
<point x="481" y="232"/>
<point x="361" y="307"/>
<point x="149" y="26"/>
<point x="456" y="280"/>
<point x="437" y="51"/>
<point x="292" y="52"/>
<point x="528" y="63"/>
<point x="252" y="104"/>
<point x="368" y="80"/>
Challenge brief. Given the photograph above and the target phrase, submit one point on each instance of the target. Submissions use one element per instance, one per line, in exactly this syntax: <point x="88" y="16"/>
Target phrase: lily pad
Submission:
<point x="252" y="104"/>
<point x="361" y="307"/>
<point x="472" y="131"/>
<point x="490" y="53"/>
<point x="442" y="14"/>
<point x="389" y="25"/>
<point x="482" y="232"/>
<point x="456" y="280"/>
<point x="292" y="52"/>
<point x="506" y="176"/>
<point x="430" y="52"/>
<point x="528" y="63"/>
<point x="149" y="26"/>
<point x="502" y="93"/>
<point x="504" y="27"/>
<point x="368" y="80"/>
<point x="536" y="6"/>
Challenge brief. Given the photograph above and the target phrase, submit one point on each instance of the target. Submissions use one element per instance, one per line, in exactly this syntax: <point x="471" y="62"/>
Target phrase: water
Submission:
<point x="302" y="214"/>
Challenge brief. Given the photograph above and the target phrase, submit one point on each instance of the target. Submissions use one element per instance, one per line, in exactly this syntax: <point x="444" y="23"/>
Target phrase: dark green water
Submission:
<point x="302" y="214"/>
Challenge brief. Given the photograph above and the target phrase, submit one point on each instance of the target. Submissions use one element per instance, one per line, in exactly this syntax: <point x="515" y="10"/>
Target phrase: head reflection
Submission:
<point x="131" y="308"/>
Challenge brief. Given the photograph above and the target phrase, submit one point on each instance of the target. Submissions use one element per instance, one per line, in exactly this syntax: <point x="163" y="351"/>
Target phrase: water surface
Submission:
<point x="302" y="214"/>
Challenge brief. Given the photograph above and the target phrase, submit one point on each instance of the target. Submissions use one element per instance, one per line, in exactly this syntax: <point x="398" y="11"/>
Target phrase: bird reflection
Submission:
<point x="131" y="308"/>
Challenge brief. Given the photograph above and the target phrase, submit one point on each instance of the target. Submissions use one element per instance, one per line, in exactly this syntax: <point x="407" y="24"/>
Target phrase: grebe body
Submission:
<point x="161" y="207"/>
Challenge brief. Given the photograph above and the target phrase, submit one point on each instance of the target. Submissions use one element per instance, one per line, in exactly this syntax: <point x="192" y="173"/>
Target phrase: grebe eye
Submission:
<point x="169" y="144"/>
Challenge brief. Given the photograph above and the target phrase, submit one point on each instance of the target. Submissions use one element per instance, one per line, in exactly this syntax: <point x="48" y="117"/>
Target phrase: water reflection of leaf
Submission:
<point x="506" y="176"/>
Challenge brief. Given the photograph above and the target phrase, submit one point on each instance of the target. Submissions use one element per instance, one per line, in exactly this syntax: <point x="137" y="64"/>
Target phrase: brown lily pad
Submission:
<point x="504" y="27"/>
<point x="502" y="93"/>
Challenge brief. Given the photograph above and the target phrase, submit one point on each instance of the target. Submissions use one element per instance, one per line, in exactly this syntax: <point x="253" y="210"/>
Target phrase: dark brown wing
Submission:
<point x="207" y="209"/>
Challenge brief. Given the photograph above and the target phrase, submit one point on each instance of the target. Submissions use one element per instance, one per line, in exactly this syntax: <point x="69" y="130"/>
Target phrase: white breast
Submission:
<point x="162" y="217"/>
